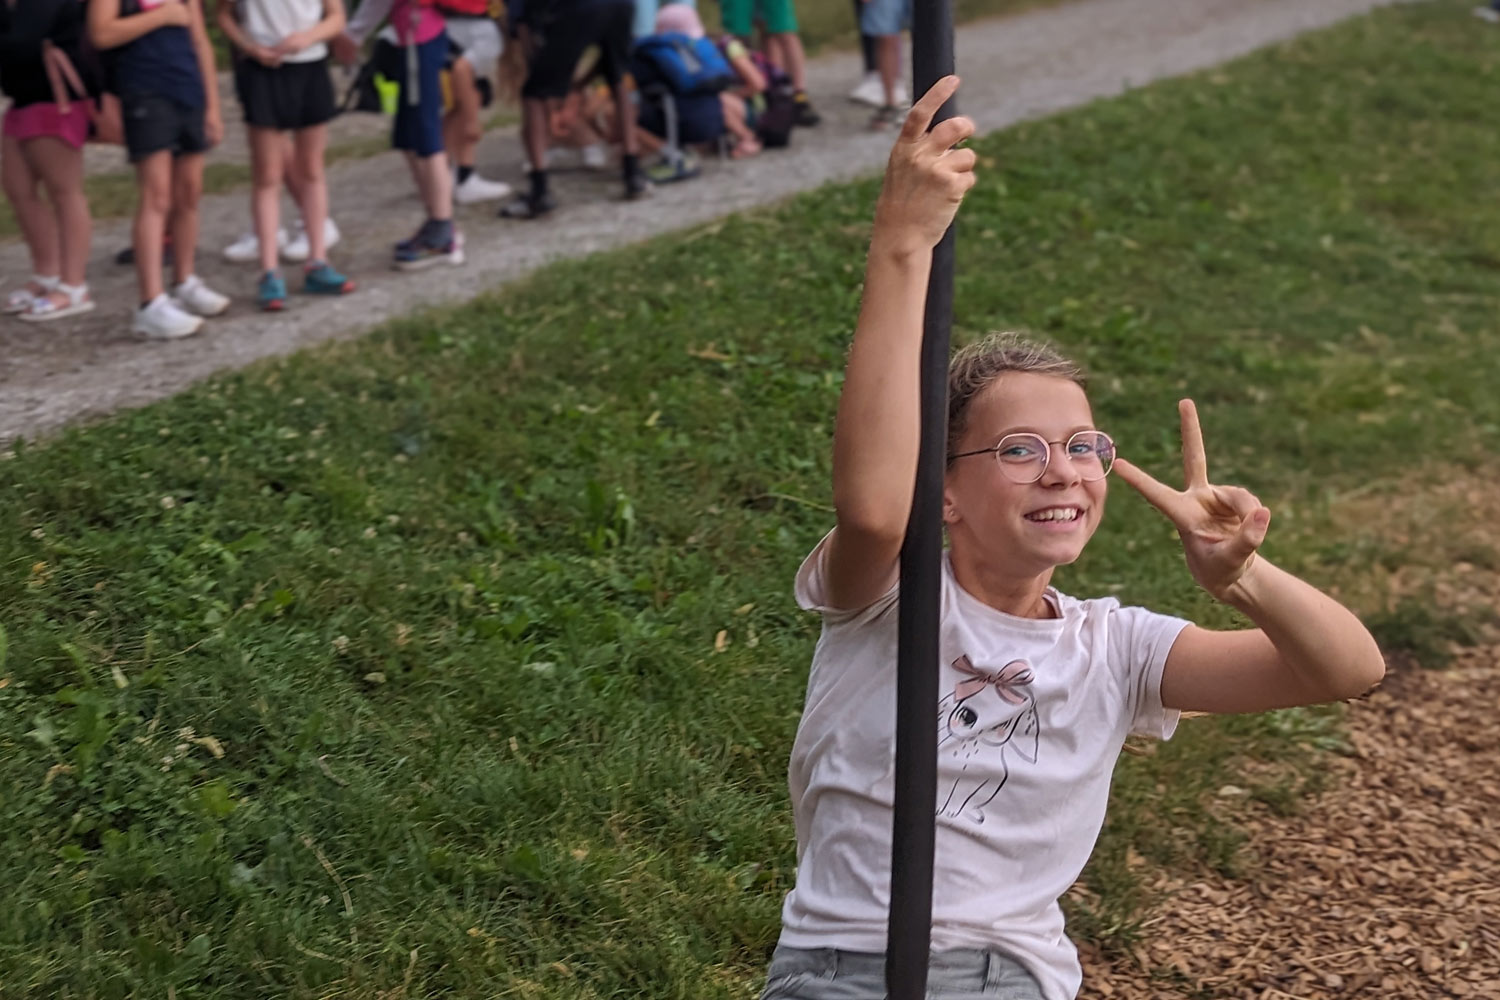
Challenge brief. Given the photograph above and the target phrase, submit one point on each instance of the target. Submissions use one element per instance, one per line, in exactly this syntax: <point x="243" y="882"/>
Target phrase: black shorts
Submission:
<point x="567" y="34"/>
<point x="290" y="96"/>
<point x="156" y="124"/>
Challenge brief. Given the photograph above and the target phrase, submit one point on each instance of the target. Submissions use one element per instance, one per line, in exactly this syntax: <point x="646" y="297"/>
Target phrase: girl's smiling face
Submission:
<point x="1012" y="529"/>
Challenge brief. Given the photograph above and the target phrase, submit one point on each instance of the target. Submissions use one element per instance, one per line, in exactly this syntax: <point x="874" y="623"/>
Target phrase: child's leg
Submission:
<point x="435" y="183"/>
<point x="308" y="147"/>
<point x="187" y="189"/>
<point x="61" y="167"/>
<point x="745" y="141"/>
<point x="461" y="126"/>
<point x="268" y="167"/>
<point x="888" y="55"/>
<point x="154" y="178"/>
<point x="293" y="179"/>
<point x="786" y="51"/>
<point x="38" y="225"/>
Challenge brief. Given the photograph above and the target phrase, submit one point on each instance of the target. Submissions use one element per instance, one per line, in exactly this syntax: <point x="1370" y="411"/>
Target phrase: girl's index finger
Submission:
<point x="1194" y="460"/>
<point x="1157" y="494"/>
<point x="919" y="119"/>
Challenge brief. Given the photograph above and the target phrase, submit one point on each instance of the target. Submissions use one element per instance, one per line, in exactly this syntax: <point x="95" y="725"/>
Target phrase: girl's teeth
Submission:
<point x="1054" y="515"/>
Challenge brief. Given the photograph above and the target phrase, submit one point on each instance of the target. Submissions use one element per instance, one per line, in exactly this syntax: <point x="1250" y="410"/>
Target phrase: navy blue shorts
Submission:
<point x="419" y="105"/>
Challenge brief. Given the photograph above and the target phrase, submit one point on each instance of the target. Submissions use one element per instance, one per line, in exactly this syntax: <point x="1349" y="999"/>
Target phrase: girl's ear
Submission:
<point x="950" y="506"/>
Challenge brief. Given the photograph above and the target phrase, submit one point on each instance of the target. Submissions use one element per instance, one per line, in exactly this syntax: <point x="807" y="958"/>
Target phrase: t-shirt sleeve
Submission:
<point x="1139" y="641"/>
<point x="812" y="590"/>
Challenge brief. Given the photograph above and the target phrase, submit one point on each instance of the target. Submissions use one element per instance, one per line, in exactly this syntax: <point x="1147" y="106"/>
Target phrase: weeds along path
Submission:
<point x="1014" y="68"/>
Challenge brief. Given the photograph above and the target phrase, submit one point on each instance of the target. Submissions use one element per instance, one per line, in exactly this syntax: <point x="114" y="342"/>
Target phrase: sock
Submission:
<point x="631" y="164"/>
<point x="440" y="230"/>
<point x="800" y="97"/>
<point x="464" y="173"/>
<point x="538" y="184"/>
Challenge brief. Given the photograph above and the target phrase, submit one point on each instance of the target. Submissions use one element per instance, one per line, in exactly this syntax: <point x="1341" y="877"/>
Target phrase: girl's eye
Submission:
<point x="1018" y="452"/>
<point x="1081" y="448"/>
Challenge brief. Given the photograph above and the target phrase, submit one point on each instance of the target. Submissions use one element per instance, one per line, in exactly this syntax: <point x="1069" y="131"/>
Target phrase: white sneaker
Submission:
<point x="477" y="189"/>
<point x="1489" y="14"/>
<point x="595" y="157"/>
<point x="247" y="247"/>
<point x="161" y="319"/>
<point x="869" y="91"/>
<point x="197" y="298"/>
<point x="298" y="250"/>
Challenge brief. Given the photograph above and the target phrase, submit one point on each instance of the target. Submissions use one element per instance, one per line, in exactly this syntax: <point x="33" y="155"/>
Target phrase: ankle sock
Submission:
<point x="631" y="164"/>
<point x="464" y="173"/>
<point x="440" y="230"/>
<point x="538" y="184"/>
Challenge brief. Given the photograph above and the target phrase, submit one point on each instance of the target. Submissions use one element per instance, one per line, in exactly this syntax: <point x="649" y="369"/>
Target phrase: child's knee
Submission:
<point x="187" y="188"/>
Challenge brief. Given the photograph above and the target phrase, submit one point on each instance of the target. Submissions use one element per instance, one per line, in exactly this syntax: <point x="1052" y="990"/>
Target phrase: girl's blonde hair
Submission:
<point x="976" y="367"/>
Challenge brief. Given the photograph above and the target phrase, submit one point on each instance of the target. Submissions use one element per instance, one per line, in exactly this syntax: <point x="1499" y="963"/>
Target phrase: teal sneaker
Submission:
<point x="322" y="279"/>
<point x="271" y="293"/>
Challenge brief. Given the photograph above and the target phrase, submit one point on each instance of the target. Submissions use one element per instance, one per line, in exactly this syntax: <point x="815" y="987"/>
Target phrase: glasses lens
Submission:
<point x="1023" y="457"/>
<point x="1092" y="454"/>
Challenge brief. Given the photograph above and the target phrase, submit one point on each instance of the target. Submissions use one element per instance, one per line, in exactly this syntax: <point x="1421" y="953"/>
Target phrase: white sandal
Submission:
<point x="20" y="300"/>
<point x="44" y="310"/>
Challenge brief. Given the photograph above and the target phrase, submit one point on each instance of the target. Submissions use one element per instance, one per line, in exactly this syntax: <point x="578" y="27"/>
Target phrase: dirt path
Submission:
<point x="1014" y="68"/>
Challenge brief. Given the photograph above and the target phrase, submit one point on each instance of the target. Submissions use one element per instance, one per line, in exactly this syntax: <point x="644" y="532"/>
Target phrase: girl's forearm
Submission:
<point x="1319" y="639"/>
<point x="111" y="32"/>
<point x="876" y="436"/>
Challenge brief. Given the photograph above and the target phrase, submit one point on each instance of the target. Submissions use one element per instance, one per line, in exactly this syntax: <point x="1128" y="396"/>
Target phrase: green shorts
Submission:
<point x="740" y="16"/>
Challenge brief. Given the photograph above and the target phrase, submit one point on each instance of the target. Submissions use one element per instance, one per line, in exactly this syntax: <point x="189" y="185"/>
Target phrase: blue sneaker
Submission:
<point x="424" y="250"/>
<point x="321" y="279"/>
<point x="271" y="293"/>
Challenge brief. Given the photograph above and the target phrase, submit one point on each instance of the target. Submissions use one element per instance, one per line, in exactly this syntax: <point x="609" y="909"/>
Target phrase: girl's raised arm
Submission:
<point x="875" y="439"/>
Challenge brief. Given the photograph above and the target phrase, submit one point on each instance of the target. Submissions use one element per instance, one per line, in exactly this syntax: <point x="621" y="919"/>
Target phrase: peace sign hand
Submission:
<point x="1221" y="526"/>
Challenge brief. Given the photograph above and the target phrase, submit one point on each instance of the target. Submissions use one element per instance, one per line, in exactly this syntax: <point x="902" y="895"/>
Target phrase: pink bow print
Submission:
<point x="1010" y="677"/>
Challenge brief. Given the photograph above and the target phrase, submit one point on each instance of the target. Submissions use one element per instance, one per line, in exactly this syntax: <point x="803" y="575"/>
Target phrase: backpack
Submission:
<point x="774" y="123"/>
<point x="690" y="67"/>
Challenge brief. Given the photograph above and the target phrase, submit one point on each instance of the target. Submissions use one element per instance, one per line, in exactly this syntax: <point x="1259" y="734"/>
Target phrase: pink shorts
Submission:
<point x="37" y="120"/>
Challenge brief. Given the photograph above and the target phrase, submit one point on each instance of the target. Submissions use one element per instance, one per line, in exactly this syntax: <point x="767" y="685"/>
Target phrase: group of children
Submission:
<point x="142" y="73"/>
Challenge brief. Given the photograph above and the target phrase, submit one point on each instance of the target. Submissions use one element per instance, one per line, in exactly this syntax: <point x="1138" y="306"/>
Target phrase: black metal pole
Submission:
<point x="909" y="935"/>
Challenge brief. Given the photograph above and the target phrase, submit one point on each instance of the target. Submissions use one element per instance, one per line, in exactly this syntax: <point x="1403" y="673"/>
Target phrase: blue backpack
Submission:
<point x="689" y="67"/>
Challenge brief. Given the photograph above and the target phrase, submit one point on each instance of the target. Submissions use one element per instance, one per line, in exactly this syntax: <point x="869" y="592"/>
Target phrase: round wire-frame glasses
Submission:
<point x="1024" y="457"/>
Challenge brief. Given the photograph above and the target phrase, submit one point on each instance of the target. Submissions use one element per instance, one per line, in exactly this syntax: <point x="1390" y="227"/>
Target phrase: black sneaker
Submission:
<point x="637" y="185"/>
<point x="806" y="116"/>
<point x="528" y="206"/>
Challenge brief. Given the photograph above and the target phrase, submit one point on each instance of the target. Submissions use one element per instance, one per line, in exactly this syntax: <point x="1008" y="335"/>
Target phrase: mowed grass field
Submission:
<point x="463" y="661"/>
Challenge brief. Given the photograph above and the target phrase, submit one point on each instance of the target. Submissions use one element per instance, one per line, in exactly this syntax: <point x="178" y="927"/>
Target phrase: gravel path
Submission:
<point x="1014" y="68"/>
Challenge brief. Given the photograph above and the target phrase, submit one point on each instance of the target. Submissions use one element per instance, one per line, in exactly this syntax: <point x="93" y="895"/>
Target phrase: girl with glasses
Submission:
<point x="1038" y="689"/>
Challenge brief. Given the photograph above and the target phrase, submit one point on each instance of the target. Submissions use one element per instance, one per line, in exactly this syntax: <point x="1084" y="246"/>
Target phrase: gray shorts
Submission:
<point x="830" y="974"/>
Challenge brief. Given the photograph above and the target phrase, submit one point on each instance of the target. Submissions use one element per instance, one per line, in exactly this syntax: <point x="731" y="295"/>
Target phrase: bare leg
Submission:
<point x="787" y="52"/>
<point x="461" y="127"/>
<point x="154" y="178"/>
<point x="745" y="141"/>
<point x="61" y="167"/>
<point x="309" y="145"/>
<point x="625" y="120"/>
<point x="37" y="222"/>
<point x="268" y="167"/>
<point x="187" y="188"/>
<point x="534" y="131"/>
<point x="888" y="55"/>
<point x="435" y="184"/>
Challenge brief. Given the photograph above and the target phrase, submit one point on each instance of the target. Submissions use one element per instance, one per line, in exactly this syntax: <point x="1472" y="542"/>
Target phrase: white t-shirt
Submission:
<point x="1031" y="717"/>
<point x="267" y="22"/>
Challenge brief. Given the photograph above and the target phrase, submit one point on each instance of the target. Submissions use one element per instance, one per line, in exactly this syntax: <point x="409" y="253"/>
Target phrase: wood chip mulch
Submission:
<point x="1386" y="885"/>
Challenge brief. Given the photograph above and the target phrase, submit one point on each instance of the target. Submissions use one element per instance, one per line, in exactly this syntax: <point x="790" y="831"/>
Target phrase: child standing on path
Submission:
<point x="418" y="129"/>
<point x="281" y="75"/>
<point x="1038" y="689"/>
<point x="41" y="145"/>
<point x="160" y="63"/>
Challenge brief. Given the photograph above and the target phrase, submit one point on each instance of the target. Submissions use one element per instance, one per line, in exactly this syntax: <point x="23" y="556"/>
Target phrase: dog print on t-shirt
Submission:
<point x="989" y="716"/>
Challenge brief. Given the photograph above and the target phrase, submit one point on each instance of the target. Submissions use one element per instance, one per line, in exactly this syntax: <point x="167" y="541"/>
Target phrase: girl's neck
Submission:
<point x="1023" y="597"/>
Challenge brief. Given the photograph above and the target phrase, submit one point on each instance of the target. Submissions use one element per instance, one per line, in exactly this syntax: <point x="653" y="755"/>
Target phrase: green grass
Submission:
<point x="446" y="600"/>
